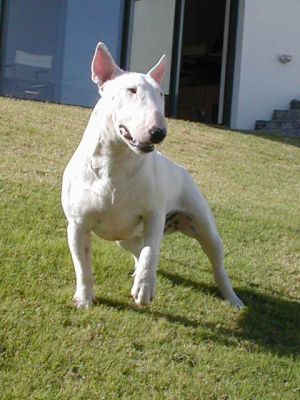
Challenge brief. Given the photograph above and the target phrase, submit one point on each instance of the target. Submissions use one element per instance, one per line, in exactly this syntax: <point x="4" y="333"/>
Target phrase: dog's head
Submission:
<point x="135" y="101"/>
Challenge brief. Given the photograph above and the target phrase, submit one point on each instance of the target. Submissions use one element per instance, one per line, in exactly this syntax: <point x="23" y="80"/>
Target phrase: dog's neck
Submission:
<point x="109" y="156"/>
<point x="115" y="164"/>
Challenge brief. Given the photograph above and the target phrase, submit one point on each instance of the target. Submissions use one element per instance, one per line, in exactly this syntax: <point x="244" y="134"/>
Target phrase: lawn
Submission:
<point x="190" y="344"/>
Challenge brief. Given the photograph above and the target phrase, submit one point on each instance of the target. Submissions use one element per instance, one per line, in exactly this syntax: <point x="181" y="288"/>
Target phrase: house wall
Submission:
<point x="266" y="30"/>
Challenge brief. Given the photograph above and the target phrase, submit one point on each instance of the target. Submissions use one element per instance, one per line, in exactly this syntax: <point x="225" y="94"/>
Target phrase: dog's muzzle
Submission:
<point x="156" y="136"/>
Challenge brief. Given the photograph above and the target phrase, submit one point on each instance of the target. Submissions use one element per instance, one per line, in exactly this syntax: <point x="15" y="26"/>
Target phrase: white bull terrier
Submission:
<point x="118" y="186"/>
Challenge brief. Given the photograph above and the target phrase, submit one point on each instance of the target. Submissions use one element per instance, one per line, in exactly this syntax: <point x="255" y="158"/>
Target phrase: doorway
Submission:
<point x="201" y="60"/>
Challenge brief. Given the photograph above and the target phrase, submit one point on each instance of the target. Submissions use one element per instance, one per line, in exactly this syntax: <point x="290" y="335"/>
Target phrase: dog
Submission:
<point x="118" y="186"/>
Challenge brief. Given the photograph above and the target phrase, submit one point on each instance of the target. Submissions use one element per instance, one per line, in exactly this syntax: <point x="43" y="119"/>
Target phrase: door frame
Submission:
<point x="224" y="63"/>
<point x="176" y="56"/>
<point x="228" y="72"/>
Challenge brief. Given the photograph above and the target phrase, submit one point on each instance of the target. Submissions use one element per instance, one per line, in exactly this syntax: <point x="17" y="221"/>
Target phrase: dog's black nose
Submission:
<point x="157" y="135"/>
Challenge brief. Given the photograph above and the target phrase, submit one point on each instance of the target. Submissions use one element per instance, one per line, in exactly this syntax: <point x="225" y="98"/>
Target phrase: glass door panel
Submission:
<point x="152" y="36"/>
<point x="32" y="57"/>
<point x="48" y="46"/>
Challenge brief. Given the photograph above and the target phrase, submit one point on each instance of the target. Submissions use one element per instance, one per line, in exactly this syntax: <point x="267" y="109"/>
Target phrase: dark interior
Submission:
<point x="201" y="60"/>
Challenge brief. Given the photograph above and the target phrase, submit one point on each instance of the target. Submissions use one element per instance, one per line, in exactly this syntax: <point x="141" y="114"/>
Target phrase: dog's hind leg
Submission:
<point x="79" y="240"/>
<point x="200" y="224"/>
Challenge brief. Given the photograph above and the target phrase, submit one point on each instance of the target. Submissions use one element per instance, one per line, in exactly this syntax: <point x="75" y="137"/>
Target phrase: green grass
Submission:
<point x="190" y="344"/>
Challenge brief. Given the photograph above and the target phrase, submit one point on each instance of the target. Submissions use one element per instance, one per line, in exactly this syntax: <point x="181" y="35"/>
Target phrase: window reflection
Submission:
<point x="32" y="55"/>
<point x="48" y="46"/>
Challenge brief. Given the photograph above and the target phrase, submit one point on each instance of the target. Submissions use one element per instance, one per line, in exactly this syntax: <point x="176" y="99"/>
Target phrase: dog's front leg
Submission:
<point x="144" y="286"/>
<point x="79" y="239"/>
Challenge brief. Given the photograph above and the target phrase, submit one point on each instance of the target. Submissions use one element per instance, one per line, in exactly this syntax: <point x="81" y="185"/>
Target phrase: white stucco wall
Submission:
<point x="266" y="30"/>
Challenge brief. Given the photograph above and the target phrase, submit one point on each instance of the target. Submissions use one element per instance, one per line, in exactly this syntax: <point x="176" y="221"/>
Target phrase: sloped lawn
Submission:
<point x="190" y="344"/>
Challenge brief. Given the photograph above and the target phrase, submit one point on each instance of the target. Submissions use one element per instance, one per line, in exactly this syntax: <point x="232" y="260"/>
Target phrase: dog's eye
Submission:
<point x="161" y="93"/>
<point x="132" y="90"/>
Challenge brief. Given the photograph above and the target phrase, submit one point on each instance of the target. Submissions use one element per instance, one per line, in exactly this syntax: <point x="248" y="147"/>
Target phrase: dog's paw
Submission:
<point x="143" y="290"/>
<point x="237" y="303"/>
<point x="83" y="302"/>
<point x="234" y="300"/>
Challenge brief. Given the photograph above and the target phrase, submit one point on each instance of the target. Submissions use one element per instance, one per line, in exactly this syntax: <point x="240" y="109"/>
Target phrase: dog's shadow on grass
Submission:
<point x="178" y="319"/>
<point x="271" y="323"/>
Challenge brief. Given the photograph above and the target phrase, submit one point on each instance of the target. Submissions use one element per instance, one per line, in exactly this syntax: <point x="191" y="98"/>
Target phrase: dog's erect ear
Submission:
<point x="103" y="65"/>
<point x="158" y="71"/>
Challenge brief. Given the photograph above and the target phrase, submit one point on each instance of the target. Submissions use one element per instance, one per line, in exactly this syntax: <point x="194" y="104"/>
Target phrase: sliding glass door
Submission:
<point x="152" y="35"/>
<point x="31" y="57"/>
<point x="48" y="47"/>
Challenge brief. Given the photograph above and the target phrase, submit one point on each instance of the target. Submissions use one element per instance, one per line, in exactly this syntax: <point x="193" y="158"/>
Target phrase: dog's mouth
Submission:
<point x="144" y="147"/>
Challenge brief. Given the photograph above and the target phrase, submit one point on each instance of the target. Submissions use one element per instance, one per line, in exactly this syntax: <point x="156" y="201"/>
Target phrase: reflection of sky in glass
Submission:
<point x="152" y="36"/>
<point x="66" y="31"/>
<point x="87" y="23"/>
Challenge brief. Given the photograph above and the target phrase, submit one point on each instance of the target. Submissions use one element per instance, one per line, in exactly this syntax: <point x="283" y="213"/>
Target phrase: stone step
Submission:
<point x="286" y="114"/>
<point x="278" y="125"/>
<point x="295" y="104"/>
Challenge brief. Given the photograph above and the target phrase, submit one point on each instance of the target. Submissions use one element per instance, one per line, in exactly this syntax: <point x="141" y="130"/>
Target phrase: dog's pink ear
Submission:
<point x="103" y="65"/>
<point x="158" y="71"/>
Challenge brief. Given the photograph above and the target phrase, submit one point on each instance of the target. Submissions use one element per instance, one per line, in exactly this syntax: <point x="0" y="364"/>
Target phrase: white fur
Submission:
<point x="118" y="186"/>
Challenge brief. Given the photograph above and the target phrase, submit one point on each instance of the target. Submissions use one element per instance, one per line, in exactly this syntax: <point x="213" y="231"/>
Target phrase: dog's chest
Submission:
<point x="117" y="211"/>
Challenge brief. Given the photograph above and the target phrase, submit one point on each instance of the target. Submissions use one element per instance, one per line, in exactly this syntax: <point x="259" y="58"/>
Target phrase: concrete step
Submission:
<point x="286" y="114"/>
<point x="286" y="122"/>
<point x="278" y="125"/>
<point x="295" y="104"/>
